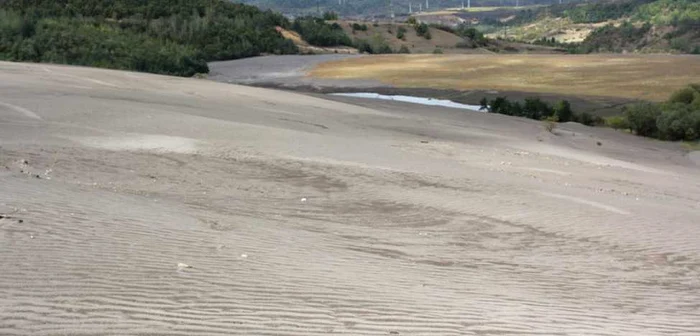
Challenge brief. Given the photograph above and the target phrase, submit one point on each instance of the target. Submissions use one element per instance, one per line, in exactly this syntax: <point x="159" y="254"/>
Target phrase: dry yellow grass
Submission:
<point x="306" y="48"/>
<point x="293" y="36"/>
<point x="649" y="77"/>
<point x="416" y="44"/>
<point x="563" y="30"/>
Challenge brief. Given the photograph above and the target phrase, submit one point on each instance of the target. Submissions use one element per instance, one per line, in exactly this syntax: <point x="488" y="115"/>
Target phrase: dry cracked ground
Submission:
<point x="143" y="204"/>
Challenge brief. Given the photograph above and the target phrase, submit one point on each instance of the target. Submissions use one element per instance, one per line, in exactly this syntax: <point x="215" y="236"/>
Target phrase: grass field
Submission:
<point x="647" y="77"/>
<point x="416" y="44"/>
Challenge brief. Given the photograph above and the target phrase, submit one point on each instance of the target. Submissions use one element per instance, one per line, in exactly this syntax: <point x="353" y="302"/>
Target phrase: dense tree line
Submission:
<point x="602" y="11"/>
<point x="85" y="42"/>
<point x="318" y="32"/>
<point x="680" y="19"/>
<point x="579" y="13"/>
<point x="537" y="109"/>
<point x="611" y="38"/>
<point x="161" y="36"/>
<point x="372" y="7"/>
<point x="676" y="119"/>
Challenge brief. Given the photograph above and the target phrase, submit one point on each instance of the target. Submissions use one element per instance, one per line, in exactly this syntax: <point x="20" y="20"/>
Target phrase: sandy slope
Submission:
<point x="304" y="216"/>
<point x="288" y="71"/>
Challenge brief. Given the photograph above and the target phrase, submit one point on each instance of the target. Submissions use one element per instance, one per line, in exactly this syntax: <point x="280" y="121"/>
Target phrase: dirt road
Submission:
<point x="143" y="204"/>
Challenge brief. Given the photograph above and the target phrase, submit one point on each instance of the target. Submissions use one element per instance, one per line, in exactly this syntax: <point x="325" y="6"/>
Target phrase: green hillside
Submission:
<point x="160" y="36"/>
<point x="622" y="25"/>
<point x="380" y="7"/>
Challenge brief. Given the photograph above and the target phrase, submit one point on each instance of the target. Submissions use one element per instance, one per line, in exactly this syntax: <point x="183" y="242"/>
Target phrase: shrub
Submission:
<point x="465" y="45"/>
<point x="685" y="95"/>
<point x="401" y="33"/>
<point x="319" y="33"/>
<point x="696" y="102"/>
<point x="437" y="51"/>
<point x="563" y="111"/>
<point x="422" y="29"/>
<point x="535" y="108"/>
<point x="443" y="28"/>
<point x="614" y="39"/>
<point x="360" y="27"/>
<point x="678" y="122"/>
<point x="484" y="104"/>
<point x="404" y="50"/>
<point x="363" y="46"/>
<point x="682" y="44"/>
<point x="584" y="118"/>
<point x="412" y="20"/>
<point x="550" y="123"/>
<point x="375" y="45"/>
<point x="677" y="119"/>
<point x="617" y="122"/>
<point x="329" y="16"/>
<point x="472" y="34"/>
<point x="642" y="118"/>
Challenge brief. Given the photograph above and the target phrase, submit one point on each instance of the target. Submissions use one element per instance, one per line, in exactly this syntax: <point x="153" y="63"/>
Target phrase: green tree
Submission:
<point x="642" y="118"/>
<point x="161" y="36"/>
<point x="422" y="29"/>
<point x="678" y="122"/>
<point x="401" y="33"/>
<point x="484" y="104"/>
<point x="563" y="112"/>
<point x="319" y="33"/>
<point x="535" y="108"/>
<point x="500" y="105"/>
<point x="330" y="16"/>
<point x="685" y="95"/>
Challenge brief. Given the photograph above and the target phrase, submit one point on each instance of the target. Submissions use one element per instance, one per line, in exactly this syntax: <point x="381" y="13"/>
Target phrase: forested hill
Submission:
<point x="381" y="7"/>
<point x="175" y="37"/>
<point x="633" y="25"/>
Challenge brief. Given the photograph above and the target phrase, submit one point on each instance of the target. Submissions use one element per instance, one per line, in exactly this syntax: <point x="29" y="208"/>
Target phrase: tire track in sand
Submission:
<point x="25" y="112"/>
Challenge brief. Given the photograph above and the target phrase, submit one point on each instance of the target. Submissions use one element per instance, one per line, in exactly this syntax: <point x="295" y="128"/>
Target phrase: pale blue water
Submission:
<point x="411" y="99"/>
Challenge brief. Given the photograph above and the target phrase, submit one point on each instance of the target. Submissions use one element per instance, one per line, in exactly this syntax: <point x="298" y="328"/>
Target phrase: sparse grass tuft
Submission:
<point x="550" y="124"/>
<point x="691" y="145"/>
<point x="617" y="122"/>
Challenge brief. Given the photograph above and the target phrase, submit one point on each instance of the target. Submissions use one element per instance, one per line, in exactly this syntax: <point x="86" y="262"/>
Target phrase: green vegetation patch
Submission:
<point x="676" y="119"/>
<point x="318" y="32"/>
<point x="159" y="36"/>
<point x="537" y="109"/>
